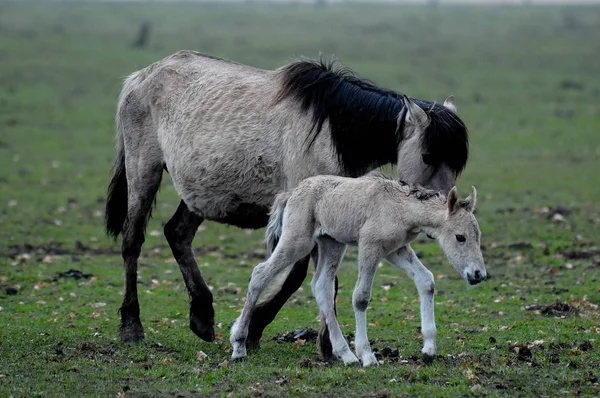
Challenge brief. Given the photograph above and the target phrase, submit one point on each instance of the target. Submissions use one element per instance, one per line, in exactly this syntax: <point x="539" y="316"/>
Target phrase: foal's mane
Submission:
<point x="363" y="118"/>
<point x="420" y="192"/>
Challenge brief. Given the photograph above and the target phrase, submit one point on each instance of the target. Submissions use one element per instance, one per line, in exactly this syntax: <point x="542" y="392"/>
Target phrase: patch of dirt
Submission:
<point x="386" y="353"/>
<point x="579" y="254"/>
<point x="72" y="273"/>
<point x="560" y="309"/>
<point x="161" y="348"/>
<point x="97" y="352"/>
<point x="523" y="352"/>
<point x="571" y="85"/>
<point x="11" y="290"/>
<point x="310" y="363"/>
<point x="292" y="337"/>
<point x="57" y="249"/>
<point x="563" y="211"/>
<point x="378" y="394"/>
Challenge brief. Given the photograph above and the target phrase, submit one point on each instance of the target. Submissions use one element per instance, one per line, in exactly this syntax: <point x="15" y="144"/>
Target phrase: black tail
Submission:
<point x="116" y="201"/>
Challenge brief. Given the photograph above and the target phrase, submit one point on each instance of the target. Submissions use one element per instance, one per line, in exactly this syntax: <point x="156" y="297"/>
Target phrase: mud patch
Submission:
<point x="386" y="353"/>
<point x="56" y="249"/>
<point x="11" y="290"/>
<point x="106" y="353"/>
<point x="310" y="363"/>
<point x="292" y="337"/>
<point x="522" y="351"/>
<point x="559" y="309"/>
<point x="72" y="273"/>
<point x="579" y="254"/>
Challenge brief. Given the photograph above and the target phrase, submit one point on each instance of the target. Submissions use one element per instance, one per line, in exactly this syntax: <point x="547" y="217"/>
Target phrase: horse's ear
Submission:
<point x="415" y="115"/>
<point x="452" y="201"/>
<point x="471" y="201"/>
<point x="450" y="104"/>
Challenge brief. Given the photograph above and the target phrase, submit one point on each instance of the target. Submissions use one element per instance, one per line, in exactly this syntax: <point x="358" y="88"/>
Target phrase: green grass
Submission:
<point x="527" y="82"/>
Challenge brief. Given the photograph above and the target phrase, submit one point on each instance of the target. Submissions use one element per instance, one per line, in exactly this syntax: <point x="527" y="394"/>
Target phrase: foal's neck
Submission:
<point x="428" y="216"/>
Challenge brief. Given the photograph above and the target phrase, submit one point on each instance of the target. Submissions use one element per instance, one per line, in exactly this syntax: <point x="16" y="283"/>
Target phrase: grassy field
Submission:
<point x="527" y="82"/>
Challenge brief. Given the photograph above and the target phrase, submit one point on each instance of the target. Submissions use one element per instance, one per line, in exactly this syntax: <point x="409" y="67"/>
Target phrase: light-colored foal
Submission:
<point x="381" y="216"/>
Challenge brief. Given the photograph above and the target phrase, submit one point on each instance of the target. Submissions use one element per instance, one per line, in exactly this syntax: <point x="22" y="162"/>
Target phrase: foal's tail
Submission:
<point x="116" y="200"/>
<point x="275" y="226"/>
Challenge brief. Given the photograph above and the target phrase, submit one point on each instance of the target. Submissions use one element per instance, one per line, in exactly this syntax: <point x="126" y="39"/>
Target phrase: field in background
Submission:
<point x="526" y="81"/>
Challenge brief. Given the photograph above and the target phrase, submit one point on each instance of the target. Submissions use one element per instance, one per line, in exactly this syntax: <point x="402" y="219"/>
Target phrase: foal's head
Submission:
<point x="434" y="146"/>
<point x="460" y="237"/>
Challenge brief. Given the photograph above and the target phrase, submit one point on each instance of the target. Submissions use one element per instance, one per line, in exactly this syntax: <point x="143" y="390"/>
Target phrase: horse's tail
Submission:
<point x="116" y="200"/>
<point x="275" y="226"/>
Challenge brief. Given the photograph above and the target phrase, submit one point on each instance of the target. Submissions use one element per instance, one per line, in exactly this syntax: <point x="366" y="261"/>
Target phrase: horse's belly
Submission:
<point x="226" y="188"/>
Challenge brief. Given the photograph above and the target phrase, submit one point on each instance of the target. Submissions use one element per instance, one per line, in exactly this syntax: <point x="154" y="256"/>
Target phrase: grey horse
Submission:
<point x="233" y="136"/>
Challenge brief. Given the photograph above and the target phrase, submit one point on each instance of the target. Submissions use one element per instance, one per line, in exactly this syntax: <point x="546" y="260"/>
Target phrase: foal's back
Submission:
<point x="348" y="208"/>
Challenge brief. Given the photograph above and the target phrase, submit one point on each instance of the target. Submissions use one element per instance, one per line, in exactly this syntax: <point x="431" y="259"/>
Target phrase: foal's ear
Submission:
<point x="452" y="201"/>
<point x="471" y="201"/>
<point x="414" y="114"/>
<point x="450" y="104"/>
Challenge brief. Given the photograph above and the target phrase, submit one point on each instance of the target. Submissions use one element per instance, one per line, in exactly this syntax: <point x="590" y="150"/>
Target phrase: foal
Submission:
<point x="383" y="217"/>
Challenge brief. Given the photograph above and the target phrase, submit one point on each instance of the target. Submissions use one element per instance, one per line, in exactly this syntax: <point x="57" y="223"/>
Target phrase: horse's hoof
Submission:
<point x="132" y="333"/>
<point x="206" y="334"/>
<point x="427" y="359"/>
<point x="324" y="348"/>
<point x="252" y="344"/>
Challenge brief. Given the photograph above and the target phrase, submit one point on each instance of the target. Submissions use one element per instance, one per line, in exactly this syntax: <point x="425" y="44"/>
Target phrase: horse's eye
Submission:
<point x="461" y="238"/>
<point x="428" y="159"/>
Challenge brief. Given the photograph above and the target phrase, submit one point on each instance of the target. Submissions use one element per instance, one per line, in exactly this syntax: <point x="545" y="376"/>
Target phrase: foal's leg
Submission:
<point x="265" y="312"/>
<point x="369" y="257"/>
<point x="143" y="182"/>
<point x="324" y="348"/>
<point x="331" y="253"/>
<point x="287" y="252"/>
<point x="180" y="232"/>
<point x="406" y="259"/>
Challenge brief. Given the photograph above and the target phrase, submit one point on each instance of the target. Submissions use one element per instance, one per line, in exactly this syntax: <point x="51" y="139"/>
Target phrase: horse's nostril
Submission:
<point x="477" y="275"/>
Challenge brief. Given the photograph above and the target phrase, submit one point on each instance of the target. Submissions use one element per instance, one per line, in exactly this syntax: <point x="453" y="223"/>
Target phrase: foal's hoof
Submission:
<point x="204" y="332"/>
<point x="427" y="359"/>
<point x="348" y="358"/>
<point x="369" y="360"/>
<point x="132" y="333"/>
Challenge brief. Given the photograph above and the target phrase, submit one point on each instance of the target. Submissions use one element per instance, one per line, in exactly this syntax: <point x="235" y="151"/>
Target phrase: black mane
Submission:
<point x="363" y="118"/>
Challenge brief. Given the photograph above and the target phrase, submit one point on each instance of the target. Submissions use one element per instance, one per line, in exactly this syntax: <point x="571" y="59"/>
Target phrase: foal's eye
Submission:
<point x="461" y="238"/>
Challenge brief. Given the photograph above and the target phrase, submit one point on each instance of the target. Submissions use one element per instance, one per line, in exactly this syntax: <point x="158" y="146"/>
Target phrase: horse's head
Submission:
<point x="459" y="237"/>
<point x="434" y="146"/>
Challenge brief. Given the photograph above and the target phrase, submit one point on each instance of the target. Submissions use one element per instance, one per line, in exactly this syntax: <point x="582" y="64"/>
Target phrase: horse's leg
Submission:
<point x="406" y="259"/>
<point x="265" y="312"/>
<point x="369" y="257"/>
<point x="323" y="284"/>
<point x="180" y="232"/>
<point x="286" y="253"/>
<point x="142" y="184"/>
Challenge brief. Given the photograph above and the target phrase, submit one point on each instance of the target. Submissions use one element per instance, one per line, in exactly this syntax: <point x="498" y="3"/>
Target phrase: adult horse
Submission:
<point x="233" y="136"/>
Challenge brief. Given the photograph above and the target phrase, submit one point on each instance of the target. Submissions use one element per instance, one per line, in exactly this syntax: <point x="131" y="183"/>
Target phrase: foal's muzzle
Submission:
<point x="476" y="277"/>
